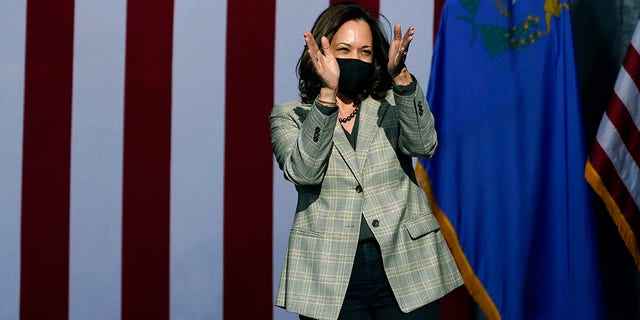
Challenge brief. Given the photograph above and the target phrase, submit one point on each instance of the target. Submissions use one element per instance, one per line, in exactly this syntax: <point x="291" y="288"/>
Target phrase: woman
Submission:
<point x="363" y="244"/>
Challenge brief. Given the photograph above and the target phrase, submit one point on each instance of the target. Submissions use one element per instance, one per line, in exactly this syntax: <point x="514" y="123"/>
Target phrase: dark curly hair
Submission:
<point x="327" y="24"/>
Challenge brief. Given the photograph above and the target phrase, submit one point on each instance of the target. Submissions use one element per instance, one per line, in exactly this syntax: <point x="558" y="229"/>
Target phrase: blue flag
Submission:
<point x="508" y="173"/>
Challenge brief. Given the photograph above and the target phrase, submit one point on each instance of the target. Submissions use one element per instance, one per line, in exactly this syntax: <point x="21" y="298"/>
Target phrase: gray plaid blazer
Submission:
<point x="337" y="185"/>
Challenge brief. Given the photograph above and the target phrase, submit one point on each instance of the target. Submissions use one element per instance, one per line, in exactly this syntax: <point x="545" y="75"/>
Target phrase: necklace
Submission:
<point x="349" y="117"/>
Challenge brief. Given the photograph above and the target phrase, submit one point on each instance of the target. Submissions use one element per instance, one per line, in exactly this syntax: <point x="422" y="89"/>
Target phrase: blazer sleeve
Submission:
<point x="301" y="138"/>
<point x="418" y="136"/>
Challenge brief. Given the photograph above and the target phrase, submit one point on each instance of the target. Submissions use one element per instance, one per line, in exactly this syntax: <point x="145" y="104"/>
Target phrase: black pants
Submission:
<point x="369" y="294"/>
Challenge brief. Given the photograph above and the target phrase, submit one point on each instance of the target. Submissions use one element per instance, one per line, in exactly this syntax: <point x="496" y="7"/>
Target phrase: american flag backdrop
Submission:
<point x="613" y="167"/>
<point x="136" y="173"/>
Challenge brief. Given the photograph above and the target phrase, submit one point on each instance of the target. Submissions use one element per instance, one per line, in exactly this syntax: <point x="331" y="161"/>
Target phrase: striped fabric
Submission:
<point x="613" y="167"/>
<point x="137" y="179"/>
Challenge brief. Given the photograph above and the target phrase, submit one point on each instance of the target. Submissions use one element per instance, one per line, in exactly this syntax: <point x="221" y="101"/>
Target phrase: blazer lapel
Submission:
<point x="371" y="113"/>
<point x="346" y="150"/>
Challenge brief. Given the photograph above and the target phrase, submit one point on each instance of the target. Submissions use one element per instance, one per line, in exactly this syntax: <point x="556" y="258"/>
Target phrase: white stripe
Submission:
<point x="613" y="146"/>
<point x="628" y="93"/>
<point x="197" y="159"/>
<point x="417" y="13"/>
<point x="12" y="33"/>
<point x="635" y="38"/>
<point x="293" y="17"/>
<point x="96" y="160"/>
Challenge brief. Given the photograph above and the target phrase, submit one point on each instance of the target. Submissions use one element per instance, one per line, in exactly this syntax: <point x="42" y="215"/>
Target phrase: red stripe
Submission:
<point x="437" y="13"/>
<point x="632" y="64"/>
<point x="622" y="120"/>
<point x="44" y="263"/>
<point x="248" y="160"/>
<point x="372" y="6"/>
<point x="611" y="180"/>
<point x="147" y="156"/>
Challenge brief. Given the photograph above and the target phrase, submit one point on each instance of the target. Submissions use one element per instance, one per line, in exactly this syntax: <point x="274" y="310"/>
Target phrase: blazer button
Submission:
<point x="375" y="223"/>
<point x="358" y="189"/>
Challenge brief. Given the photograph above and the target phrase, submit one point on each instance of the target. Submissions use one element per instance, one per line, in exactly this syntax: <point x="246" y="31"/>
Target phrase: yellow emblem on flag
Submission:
<point x="553" y="8"/>
<point x="498" y="39"/>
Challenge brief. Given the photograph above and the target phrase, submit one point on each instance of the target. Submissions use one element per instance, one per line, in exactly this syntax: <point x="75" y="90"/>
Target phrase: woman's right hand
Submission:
<point x="325" y="65"/>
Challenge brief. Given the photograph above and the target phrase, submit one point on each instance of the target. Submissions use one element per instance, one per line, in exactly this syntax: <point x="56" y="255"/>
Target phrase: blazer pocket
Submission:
<point x="421" y="225"/>
<point x="306" y="233"/>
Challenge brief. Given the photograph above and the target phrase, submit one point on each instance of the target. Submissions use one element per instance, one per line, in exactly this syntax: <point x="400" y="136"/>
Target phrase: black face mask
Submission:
<point x="354" y="76"/>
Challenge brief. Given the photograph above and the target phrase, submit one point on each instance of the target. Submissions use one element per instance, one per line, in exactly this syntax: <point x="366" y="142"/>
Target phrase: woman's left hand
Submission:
<point x="398" y="50"/>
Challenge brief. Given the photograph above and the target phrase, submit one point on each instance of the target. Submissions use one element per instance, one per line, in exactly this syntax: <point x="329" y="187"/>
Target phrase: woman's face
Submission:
<point x="353" y="40"/>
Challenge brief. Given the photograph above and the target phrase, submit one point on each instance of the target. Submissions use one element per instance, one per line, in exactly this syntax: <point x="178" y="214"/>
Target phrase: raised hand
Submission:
<point x="324" y="62"/>
<point x="398" y="50"/>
